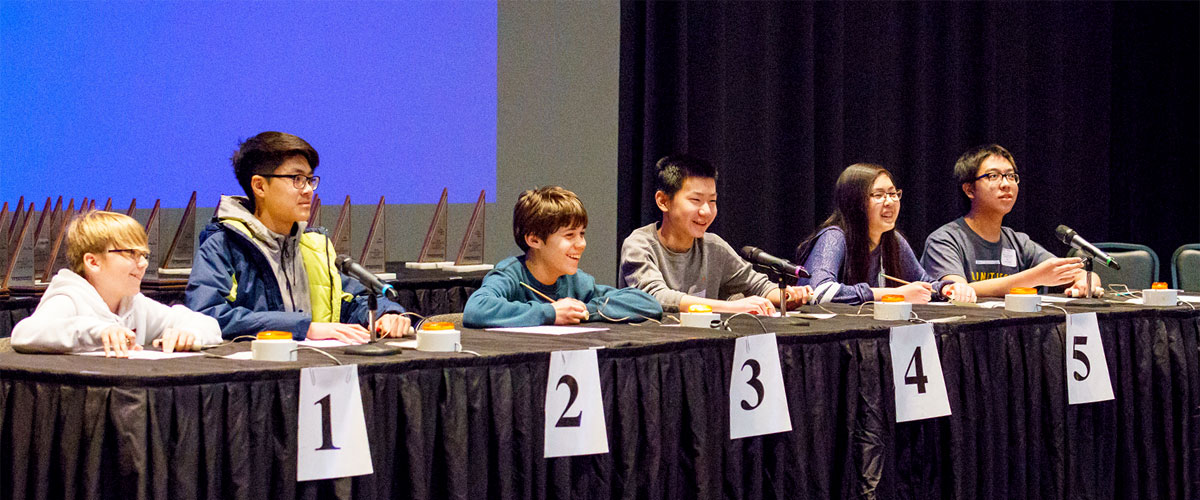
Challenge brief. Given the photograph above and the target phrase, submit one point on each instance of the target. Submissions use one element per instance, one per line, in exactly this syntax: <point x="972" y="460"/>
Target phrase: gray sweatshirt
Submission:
<point x="281" y="250"/>
<point x="711" y="269"/>
<point x="72" y="315"/>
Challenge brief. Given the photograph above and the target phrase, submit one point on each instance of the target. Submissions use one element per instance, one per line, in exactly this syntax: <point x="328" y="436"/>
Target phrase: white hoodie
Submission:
<point x="71" y="316"/>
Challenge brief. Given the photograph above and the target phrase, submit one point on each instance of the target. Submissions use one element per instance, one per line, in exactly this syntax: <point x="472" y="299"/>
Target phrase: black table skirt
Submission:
<point x="454" y="426"/>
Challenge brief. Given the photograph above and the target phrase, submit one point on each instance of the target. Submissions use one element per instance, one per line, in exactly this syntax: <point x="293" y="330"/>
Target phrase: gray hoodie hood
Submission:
<point x="280" y="250"/>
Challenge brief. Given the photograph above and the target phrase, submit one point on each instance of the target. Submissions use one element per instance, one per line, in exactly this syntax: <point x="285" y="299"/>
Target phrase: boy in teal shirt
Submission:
<point x="545" y="286"/>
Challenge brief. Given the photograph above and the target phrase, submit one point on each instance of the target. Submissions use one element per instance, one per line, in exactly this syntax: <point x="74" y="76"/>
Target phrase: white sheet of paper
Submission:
<point x="917" y="374"/>
<point x="1135" y="300"/>
<point x="149" y="355"/>
<point x="1056" y="300"/>
<point x="549" y="329"/>
<point x="331" y="437"/>
<point x="1087" y="369"/>
<point x="323" y="344"/>
<point x="991" y="304"/>
<point x="574" y="406"/>
<point x="1195" y="299"/>
<point x="240" y="355"/>
<point x="757" y="399"/>
<point x="792" y="314"/>
<point x="404" y="344"/>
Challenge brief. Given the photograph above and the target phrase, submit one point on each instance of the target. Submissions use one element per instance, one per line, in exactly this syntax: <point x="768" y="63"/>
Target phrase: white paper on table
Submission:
<point x="574" y="406"/>
<point x="240" y="355"/>
<point x="404" y="344"/>
<point x="549" y="329"/>
<point x="757" y="399"/>
<point x="148" y="355"/>
<point x="323" y="344"/>
<point x="1136" y="300"/>
<point x="1195" y="299"/>
<point x="917" y="373"/>
<point x="991" y="304"/>
<point x="1087" y="369"/>
<point x="796" y="314"/>
<point x="331" y="433"/>
<point x="1057" y="300"/>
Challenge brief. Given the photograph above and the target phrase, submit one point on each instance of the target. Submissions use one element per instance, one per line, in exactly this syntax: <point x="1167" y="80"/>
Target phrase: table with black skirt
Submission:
<point x="453" y="425"/>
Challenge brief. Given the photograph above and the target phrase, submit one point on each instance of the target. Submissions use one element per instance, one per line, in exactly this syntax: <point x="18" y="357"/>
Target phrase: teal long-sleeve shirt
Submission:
<point x="502" y="302"/>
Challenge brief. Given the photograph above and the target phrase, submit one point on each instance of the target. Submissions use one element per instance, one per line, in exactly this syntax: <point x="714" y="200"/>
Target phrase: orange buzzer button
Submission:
<point x="274" y="335"/>
<point x="438" y="325"/>
<point x="1023" y="290"/>
<point x="1159" y="285"/>
<point x="699" y="308"/>
<point x="892" y="298"/>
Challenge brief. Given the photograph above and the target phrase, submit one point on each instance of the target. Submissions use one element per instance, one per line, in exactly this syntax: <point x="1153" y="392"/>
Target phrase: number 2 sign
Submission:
<point x="574" y="407"/>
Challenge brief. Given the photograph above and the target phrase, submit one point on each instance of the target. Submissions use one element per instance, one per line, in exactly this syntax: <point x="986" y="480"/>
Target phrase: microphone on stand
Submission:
<point x="1071" y="238"/>
<point x="782" y="266"/>
<point x="351" y="268"/>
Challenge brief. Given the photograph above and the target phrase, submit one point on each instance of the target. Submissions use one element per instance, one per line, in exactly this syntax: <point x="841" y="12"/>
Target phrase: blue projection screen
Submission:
<point x="150" y="99"/>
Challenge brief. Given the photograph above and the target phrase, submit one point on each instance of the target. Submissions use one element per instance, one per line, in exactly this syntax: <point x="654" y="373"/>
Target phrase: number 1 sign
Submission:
<point x="332" y="437"/>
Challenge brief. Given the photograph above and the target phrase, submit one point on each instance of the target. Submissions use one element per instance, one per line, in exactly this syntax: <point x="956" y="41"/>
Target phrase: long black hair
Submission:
<point x="852" y="198"/>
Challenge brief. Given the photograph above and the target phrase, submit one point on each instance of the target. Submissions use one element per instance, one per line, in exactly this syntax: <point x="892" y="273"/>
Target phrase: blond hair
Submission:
<point x="543" y="211"/>
<point x="97" y="232"/>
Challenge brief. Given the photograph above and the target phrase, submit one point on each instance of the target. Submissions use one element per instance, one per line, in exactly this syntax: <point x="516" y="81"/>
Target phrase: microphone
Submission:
<point x="1071" y="238"/>
<point x="782" y="266"/>
<point x="348" y="267"/>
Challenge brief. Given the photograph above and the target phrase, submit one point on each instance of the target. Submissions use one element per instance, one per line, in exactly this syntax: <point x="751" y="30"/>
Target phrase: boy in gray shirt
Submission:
<point x="680" y="263"/>
<point x="977" y="249"/>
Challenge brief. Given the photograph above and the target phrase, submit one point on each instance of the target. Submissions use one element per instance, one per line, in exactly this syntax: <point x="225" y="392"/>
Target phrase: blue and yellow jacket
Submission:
<point x="233" y="282"/>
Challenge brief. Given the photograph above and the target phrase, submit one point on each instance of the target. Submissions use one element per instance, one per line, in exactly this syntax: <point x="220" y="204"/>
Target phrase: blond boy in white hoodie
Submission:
<point x="97" y="303"/>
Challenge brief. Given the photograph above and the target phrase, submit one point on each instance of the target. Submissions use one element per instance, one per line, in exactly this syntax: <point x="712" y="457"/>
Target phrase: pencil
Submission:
<point x="534" y="290"/>
<point x="898" y="280"/>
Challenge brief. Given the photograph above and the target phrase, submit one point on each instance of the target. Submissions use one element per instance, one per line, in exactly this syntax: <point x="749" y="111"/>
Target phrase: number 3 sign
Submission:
<point x="574" y="408"/>
<point x="757" y="400"/>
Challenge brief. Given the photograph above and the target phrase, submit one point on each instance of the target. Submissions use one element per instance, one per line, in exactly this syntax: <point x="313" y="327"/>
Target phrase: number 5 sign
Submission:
<point x="757" y="400"/>
<point x="332" y="433"/>
<point x="1087" y="370"/>
<point x="574" y="408"/>
<point x="917" y="374"/>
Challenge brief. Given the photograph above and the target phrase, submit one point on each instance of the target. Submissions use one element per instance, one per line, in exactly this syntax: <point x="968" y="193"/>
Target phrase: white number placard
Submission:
<point x="1087" y="370"/>
<point x="917" y="374"/>
<point x="574" y="407"/>
<point x="757" y="399"/>
<point x="332" y="433"/>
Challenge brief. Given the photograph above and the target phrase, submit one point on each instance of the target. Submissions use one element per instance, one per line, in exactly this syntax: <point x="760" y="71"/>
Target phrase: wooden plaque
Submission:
<point x="16" y="220"/>
<point x="41" y="239"/>
<point x="434" y="248"/>
<point x="4" y="237"/>
<point x="178" y="259"/>
<point x="152" y="241"/>
<point x="341" y="231"/>
<point x="132" y="207"/>
<point x="58" y="248"/>
<point x="314" y="213"/>
<point x="470" y="254"/>
<point x="108" y="205"/>
<point x="19" y="272"/>
<point x="375" y="249"/>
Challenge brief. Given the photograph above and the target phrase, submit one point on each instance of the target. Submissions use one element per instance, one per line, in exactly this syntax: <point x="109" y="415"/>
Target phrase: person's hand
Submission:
<point x="569" y="311"/>
<point x="392" y="325"/>
<point x="174" y="339"/>
<point x="918" y="292"/>
<point x="752" y="304"/>
<point x="1054" y="272"/>
<point x="798" y="295"/>
<point x="119" y="341"/>
<point x="350" y="334"/>
<point x="1079" y="288"/>
<point x="959" y="292"/>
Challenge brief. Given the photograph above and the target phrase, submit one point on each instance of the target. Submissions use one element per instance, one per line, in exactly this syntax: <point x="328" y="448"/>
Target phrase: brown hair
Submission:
<point x="851" y="195"/>
<point x="95" y="231"/>
<point x="543" y="211"/>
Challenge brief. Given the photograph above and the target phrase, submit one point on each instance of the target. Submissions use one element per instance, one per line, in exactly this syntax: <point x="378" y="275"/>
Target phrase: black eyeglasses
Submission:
<point x="132" y="253"/>
<point x="994" y="177"/>
<point x="298" y="180"/>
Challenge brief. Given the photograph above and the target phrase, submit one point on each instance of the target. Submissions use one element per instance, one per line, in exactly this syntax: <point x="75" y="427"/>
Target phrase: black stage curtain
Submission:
<point x="1097" y="101"/>
<point x="449" y="426"/>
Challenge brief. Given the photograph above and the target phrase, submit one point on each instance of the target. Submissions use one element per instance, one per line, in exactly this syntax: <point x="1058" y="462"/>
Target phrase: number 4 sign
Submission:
<point x="1087" y="370"/>
<point x="332" y="433"/>
<point x="757" y="400"/>
<point x="574" y="408"/>
<point x="917" y="374"/>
